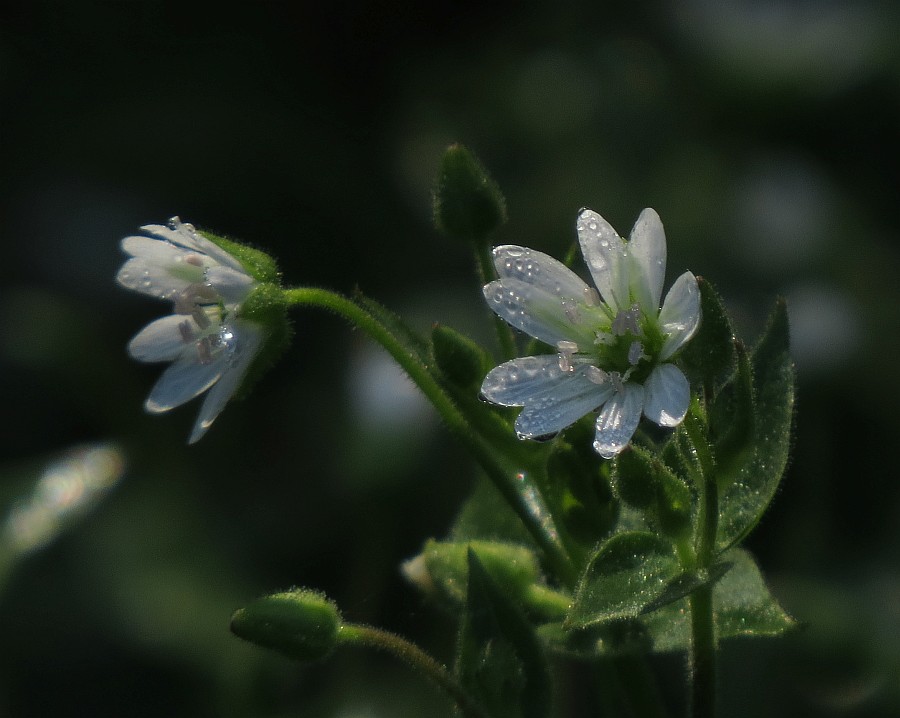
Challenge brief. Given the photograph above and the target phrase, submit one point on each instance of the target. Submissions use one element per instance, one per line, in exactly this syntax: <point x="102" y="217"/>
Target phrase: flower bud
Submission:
<point x="468" y="204"/>
<point x="299" y="623"/>
<point x="460" y="359"/>
<point x="442" y="569"/>
<point x="646" y="483"/>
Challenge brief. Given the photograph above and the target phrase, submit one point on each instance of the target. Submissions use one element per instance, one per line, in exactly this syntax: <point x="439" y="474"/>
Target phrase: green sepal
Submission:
<point x="499" y="660"/>
<point x="742" y="606"/>
<point x="748" y="486"/>
<point x="708" y="357"/>
<point x="628" y="572"/>
<point x="511" y="566"/>
<point x="644" y="482"/>
<point x="266" y="307"/>
<point x="731" y="417"/>
<point x="299" y="623"/>
<point x="468" y="204"/>
<point x="461" y="361"/>
<point x="255" y="262"/>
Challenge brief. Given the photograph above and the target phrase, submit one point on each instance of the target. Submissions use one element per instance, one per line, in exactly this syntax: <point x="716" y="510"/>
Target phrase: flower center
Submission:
<point x="625" y="349"/>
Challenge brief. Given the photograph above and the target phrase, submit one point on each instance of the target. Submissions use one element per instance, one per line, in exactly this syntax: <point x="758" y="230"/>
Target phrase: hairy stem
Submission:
<point x="455" y="420"/>
<point x="417" y="659"/>
<point x="703" y="635"/>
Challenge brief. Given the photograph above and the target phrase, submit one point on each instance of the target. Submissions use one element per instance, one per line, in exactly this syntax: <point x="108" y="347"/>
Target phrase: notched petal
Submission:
<point x="679" y="317"/>
<point x="647" y="252"/>
<point x="667" y="395"/>
<point x="618" y="420"/>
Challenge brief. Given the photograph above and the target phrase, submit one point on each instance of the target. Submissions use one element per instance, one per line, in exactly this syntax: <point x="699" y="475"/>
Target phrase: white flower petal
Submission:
<point x="514" y="382"/>
<point x="163" y="339"/>
<point x="680" y="314"/>
<point x="618" y="419"/>
<point x="604" y="252"/>
<point x="149" y="277"/>
<point x="184" y="380"/>
<point x="232" y="285"/>
<point x="184" y="235"/>
<point x="571" y="398"/>
<point x="248" y="339"/>
<point x="666" y="395"/>
<point x="540" y="270"/>
<point x="647" y="254"/>
<point x="541" y="314"/>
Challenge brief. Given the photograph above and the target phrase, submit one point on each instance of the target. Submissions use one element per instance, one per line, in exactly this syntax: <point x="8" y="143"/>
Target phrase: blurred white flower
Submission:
<point x="613" y="348"/>
<point x="209" y="345"/>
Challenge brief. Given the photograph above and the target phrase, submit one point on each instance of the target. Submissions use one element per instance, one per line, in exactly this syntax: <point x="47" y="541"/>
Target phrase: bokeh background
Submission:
<point x="764" y="133"/>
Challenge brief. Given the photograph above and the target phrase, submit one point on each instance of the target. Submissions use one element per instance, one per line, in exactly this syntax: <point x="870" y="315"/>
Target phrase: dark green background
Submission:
<point x="766" y="136"/>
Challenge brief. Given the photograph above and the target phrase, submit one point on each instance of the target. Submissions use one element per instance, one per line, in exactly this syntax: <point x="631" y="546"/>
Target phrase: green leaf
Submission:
<point x="499" y="659"/>
<point x="709" y="356"/>
<point x="629" y="571"/>
<point x="644" y="482"/>
<point x="579" y="487"/>
<point x="486" y="515"/>
<point x="731" y="418"/>
<point x="750" y="485"/>
<point x="742" y="606"/>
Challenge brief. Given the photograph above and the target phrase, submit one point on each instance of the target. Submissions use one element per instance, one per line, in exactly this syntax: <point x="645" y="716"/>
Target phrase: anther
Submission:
<point x="596" y="375"/>
<point x="187" y="334"/>
<point x="636" y="353"/>
<point x="566" y="352"/>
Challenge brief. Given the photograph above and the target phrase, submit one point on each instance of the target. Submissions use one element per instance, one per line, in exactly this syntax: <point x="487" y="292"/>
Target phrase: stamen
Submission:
<point x="626" y="321"/>
<point x="566" y="352"/>
<point x="596" y="375"/>
<point x="204" y="350"/>
<point x="636" y="353"/>
<point x="618" y="381"/>
<point x="187" y="334"/>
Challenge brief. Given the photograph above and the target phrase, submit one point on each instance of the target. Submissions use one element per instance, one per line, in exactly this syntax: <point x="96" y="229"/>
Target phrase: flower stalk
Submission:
<point x="416" y="658"/>
<point x="503" y="479"/>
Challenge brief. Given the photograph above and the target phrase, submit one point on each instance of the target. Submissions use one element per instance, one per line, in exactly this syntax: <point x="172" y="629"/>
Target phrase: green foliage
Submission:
<point x="629" y="571"/>
<point x="299" y="623"/>
<point x="753" y="475"/>
<point x="742" y="606"/>
<point x="266" y="307"/>
<point x="257" y="263"/>
<point x="461" y="361"/>
<point x="709" y="356"/>
<point x="468" y="204"/>
<point x="512" y="567"/>
<point x="499" y="659"/>
<point x="647" y="484"/>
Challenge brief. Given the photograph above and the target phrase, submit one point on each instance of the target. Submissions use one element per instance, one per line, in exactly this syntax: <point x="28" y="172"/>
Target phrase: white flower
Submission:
<point x="613" y="348"/>
<point x="209" y="345"/>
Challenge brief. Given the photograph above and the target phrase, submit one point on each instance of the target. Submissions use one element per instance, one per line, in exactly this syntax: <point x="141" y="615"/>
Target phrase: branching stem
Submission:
<point x="456" y="422"/>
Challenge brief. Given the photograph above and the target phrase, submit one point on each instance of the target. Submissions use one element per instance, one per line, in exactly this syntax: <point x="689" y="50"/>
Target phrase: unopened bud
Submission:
<point x="299" y="623"/>
<point x="468" y="204"/>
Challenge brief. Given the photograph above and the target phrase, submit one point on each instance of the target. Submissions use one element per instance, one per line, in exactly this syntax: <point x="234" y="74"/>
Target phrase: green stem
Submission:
<point x="455" y="421"/>
<point x="414" y="657"/>
<point x="703" y="654"/>
<point x="703" y="635"/>
<point x="487" y="273"/>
